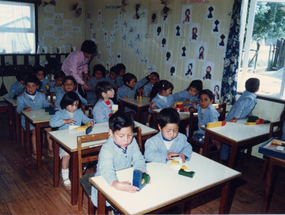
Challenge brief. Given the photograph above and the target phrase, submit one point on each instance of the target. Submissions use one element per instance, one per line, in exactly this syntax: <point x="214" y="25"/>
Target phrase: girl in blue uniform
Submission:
<point x="103" y="106"/>
<point x="148" y="87"/>
<point x="56" y="86"/>
<point x="168" y="142"/>
<point x="39" y="71"/>
<point x="18" y="87"/>
<point x="69" y="115"/>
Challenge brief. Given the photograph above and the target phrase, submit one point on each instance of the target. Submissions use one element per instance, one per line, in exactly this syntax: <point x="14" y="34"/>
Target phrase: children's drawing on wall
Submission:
<point x="105" y="35"/>
<point x="216" y="26"/>
<point x="153" y="17"/>
<point x="163" y="44"/>
<point x="183" y="54"/>
<point x="194" y="31"/>
<point x="208" y="70"/>
<point x="108" y="46"/>
<point x="164" y="13"/>
<point x="186" y="14"/>
<point x="216" y="89"/>
<point x="99" y="56"/>
<point x="210" y="12"/>
<point x="125" y="23"/>
<point x="131" y="44"/>
<point x="116" y="25"/>
<point x="168" y="56"/>
<point x="222" y="41"/>
<point x="67" y="22"/>
<point x="178" y="30"/>
<point x="91" y="25"/>
<point x="201" y="51"/>
<point x="112" y="36"/>
<point x="100" y="15"/>
<point x="111" y="57"/>
<point x="107" y="65"/>
<point x="144" y="59"/>
<point x="49" y="9"/>
<point x="151" y="68"/>
<point x="172" y="71"/>
<point x="189" y="68"/>
<point x="49" y="21"/>
<point x="132" y="30"/>
<point x="124" y="37"/>
<point x="119" y="57"/>
<point x="137" y="52"/>
<point x="120" y="14"/>
<point x="88" y="16"/>
<point x="102" y="25"/>
<point x="138" y="37"/>
<point x="158" y="30"/>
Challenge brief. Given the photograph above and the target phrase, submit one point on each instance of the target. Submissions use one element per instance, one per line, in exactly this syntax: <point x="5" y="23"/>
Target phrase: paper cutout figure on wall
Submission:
<point x="122" y="7"/>
<point x="222" y="43"/>
<point x="187" y="16"/>
<point x="194" y="33"/>
<point x="201" y="53"/>
<point x="216" y="92"/>
<point x="210" y="15"/>
<point x="168" y="55"/>
<point x="177" y="31"/>
<point x="163" y="42"/>
<point x="183" y="51"/>
<point x="119" y="57"/>
<point x="208" y="73"/>
<point x="158" y="30"/>
<point x="137" y="7"/>
<point x="189" y="71"/>
<point x="77" y="10"/>
<point x="52" y="2"/>
<point x="172" y="72"/>
<point x="125" y="23"/>
<point x="165" y="10"/>
<point x="153" y="18"/>
<point x="216" y="29"/>
<point x="138" y="37"/>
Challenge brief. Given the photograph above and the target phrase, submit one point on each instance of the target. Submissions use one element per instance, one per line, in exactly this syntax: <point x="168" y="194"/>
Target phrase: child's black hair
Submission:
<point x="69" y="77"/>
<point x="115" y="70"/>
<point x="120" y="120"/>
<point x="69" y="98"/>
<point x="207" y="92"/>
<point x="99" y="67"/>
<point x="252" y="84"/>
<point x="168" y="115"/>
<point x="32" y="79"/>
<point x="120" y="66"/>
<point x="21" y="75"/>
<point x="102" y="87"/>
<point x="197" y="84"/>
<point x="159" y="86"/>
<point x="155" y="74"/>
<point x="37" y="69"/>
<point x="128" y="77"/>
<point x="59" y="74"/>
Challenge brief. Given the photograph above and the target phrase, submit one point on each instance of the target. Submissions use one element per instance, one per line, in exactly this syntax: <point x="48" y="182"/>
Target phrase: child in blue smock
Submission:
<point x="191" y="94"/>
<point x="69" y="115"/>
<point x="122" y="71"/>
<point x="120" y="151"/>
<point x="18" y="87"/>
<point x="241" y="109"/>
<point x="56" y="86"/>
<point x="69" y="84"/>
<point x="98" y="75"/>
<point x="148" y="87"/>
<point x="30" y="100"/>
<point x="168" y="142"/>
<point x="103" y="106"/>
<point x="39" y="71"/>
<point x="112" y="76"/>
<point x="206" y="113"/>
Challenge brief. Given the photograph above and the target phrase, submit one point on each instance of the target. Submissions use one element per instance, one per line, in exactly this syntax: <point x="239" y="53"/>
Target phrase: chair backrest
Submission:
<point x="274" y="131"/>
<point x="138" y="135"/>
<point x="80" y="149"/>
<point x="222" y="110"/>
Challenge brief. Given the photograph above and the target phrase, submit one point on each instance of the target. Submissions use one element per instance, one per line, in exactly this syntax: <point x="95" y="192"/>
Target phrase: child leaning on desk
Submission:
<point x="69" y="115"/>
<point x="39" y="71"/>
<point x="18" y="87"/>
<point x="120" y="151"/>
<point x="168" y="142"/>
<point x="148" y="87"/>
<point x="31" y="100"/>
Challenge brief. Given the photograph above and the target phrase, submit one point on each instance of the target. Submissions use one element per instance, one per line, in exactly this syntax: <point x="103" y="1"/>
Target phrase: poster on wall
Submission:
<point x="186" y="14"/>
<point x="200" y="52"/>
<point x="58" y="16"/>
<point x="67" y="34"/>
<point x="222" y="41"/>
<point x="49" y="33"/>
<point x="67" y="22"/>
<point x="208" y="70"/>
<point x="49" y="9"/>
<point x="49" y="21"/>
<point x="194" y="31"/>
<point x="172" y="71"/>
<point x="189" y="70"/>
<point x="216" y="89"/>
<point x="210" y="12"/>
<point x="178" y="30"/>
<point x="216" y="26"/>
<point x="58" y="28"/>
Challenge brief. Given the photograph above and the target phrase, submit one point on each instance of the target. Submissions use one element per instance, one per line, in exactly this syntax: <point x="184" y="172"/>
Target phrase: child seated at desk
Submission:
<point x="69" y="115"/>
<point x="168" y="142"/>
<point x="39" y="71"/>
<point x="120" y="151"/>
<point x="121" y="72"/>
<point x="103" y="106"/>
<point x="31" y="100"/>
<point x="206" y="113"/>
<point x="241" y="109"/>
<point x="112" y="77"/>
<point x="191" y="94"/>
<point x="148" y="87"/>
<point x="69" y="84"/>
<point x="98" y="75"/>
<point x="18" y="87"/>
<point x="56" y="86"/>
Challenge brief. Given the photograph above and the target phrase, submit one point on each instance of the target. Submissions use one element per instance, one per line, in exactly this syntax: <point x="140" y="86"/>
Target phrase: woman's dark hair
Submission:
<point x="102" y="87"/>
<point x="159" y="86"/>
<point x="89" y="47"/>
<point x="36" y="69"/>
<point x="59" y="74"/>
<point x="128" y="77"/>
<point x="32" y="79"/>
<point x="207" y="92"/>
<point x="69" y="77"/>
<point x="168" y="115"/>
<point x="99" y="67"/>
<point x="120" y="120"/>
<point x="69" y="98"/>
<point x="197" y="84"/>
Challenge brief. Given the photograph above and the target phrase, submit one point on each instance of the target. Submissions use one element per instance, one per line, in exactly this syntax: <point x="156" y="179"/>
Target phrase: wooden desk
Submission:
<point x="167" y="188"/>
<point x="12" y="111"/>
<point x="39" y="119"/>
<point x="237" y="135"/>
<point x="137" y="105"/>
<point x="67" y="139"/>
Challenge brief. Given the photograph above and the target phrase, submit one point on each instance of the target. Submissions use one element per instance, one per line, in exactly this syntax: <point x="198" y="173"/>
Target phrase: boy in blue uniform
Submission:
<point x="30" y="100"/>
<point x="168" y="142"/>
<point x="120" y="151"/>
<point x="56" y="86"/>
<point x="148" y="87"/>
<point x="18" y="87"/>
<point x="122" y="71"/>
<point x="39" y="71"/>
<point x="112" y="77"/>
<point x="69" y="84"/>
<point x="241" y="109"/>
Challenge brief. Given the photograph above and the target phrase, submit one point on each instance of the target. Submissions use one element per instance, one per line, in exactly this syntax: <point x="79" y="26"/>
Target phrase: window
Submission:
<point x="17" y="27"/>
<point x="263" y="54"/>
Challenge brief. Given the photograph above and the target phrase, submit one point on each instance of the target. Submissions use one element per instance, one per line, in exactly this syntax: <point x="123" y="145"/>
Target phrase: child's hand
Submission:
<point x="27" y="109"/>
<point x="182" y="157"/>
<point x="87" y="77"/>
<point x="194" y="103"/>
<point x="171" y="154"/>
<point x="92" y="123"/>
<point x="125" y="186"/>
<point x="153" y="104"/>
<point x="69" y="121"/>
<point x="233" y="120"/>
<point x="187" y="101"/>
<point x="150" y="76"/>
<point x="125" y="97"/>
<point x="192" y="110"/>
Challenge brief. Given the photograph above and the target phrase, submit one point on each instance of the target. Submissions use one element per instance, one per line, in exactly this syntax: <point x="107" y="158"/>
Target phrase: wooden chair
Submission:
<point x="51" y="97"/>
<point x="138" y="135"/>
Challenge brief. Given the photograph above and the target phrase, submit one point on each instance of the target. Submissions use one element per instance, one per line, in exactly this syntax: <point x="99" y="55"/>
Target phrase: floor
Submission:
<point x="25" y="189"/>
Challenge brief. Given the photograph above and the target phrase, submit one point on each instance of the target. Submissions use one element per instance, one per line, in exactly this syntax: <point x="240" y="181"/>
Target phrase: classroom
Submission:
<point x="181" y="40"/>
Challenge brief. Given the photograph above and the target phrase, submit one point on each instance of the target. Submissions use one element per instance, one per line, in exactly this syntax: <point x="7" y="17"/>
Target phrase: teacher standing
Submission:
<point x="76" y="64"/>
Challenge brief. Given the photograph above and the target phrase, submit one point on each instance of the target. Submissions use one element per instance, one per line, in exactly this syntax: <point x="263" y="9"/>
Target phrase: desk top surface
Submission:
<point x="166" y="186"/>
<point x="68" y="138"/>
<point x="137" y="102"/>
<point x="11" y="101"/>
<point x="182" y="115"/>
<point x="38" y="116"/>
<point x="240" y="131"/>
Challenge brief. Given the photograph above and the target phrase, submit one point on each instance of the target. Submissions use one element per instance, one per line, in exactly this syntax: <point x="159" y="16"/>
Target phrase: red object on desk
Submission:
<point x="140" y="92"/>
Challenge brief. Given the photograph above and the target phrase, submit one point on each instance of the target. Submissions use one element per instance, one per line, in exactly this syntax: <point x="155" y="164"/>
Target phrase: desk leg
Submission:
<point x="17" y="125"/>
<point x="268" y="187"/>
<point x="224" y="207"/>
<point x="39" y="145"/>
<point x="206" y="145"/>
<point x="28" y="138"/>
<point x="233" y="155"/>
<point x="74" y="177"/>
<point x="55" y="164"/>
<point x="187" y="207"/>
<point x="138" y="114"/>
<point x="101" y="209"/>
<point x="10" y="121"/>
